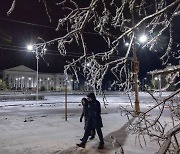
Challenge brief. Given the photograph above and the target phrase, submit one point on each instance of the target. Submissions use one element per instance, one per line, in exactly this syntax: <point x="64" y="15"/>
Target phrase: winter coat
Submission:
<point x="85" y="114"/>
<point x="94" y="110"/>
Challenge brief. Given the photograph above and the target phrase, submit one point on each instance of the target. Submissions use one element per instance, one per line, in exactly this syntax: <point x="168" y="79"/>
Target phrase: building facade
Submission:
<point x="24" y="78"/>
<point x="166" y="79"/>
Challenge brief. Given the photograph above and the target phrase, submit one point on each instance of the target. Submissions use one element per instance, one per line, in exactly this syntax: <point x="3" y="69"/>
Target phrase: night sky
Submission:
<point x="29" y="21"/>
<point x="16" y="31"/>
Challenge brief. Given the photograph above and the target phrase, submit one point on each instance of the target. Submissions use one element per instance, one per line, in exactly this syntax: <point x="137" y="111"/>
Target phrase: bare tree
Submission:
<point x="119" y="22"/>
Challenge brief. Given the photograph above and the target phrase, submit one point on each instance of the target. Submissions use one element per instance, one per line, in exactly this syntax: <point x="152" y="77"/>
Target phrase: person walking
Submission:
<point x="94" y="121"/>
<point x="85" y="115"/>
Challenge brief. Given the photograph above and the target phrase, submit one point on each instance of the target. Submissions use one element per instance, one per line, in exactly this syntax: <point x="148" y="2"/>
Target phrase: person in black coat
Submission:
<point x="85" y="115"/>
<point x="94" y="121"/>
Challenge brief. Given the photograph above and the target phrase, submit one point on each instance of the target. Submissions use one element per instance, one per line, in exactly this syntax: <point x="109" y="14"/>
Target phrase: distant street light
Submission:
<point x="143" y="38"/>
<point x="156" y="78"/>
<point x="144" y="83"/>
<point x="127" y="44"/>
<point x="30" y="47"/>
<point x="39" y="50"/>
<point x="88" y="64"/>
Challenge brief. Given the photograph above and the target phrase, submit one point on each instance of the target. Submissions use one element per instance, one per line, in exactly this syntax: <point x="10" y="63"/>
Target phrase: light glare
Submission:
<point x="143" y="38"/>
<point x="126" y="44"/>
<point x="88" y="64"/>
<point x="30" y="47"/>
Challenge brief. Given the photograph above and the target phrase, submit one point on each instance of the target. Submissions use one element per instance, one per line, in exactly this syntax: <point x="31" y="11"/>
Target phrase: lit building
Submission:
<point x="166" y="79"/>
<point x="23" y="78"/>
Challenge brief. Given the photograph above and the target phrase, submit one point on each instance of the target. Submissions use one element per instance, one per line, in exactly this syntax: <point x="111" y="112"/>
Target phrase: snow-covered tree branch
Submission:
<point x="112" y="20"/>
<point x="116" y="23"/>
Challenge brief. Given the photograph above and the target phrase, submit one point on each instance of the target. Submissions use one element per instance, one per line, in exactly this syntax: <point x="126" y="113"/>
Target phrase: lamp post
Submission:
<point x="142" y="39"/>
<point x="38" y="53"/>
<point x="39" y="50"/>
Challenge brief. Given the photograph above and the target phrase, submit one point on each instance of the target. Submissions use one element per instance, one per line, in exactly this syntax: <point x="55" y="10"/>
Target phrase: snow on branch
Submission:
<point x="154" y="126"/>
<point x="113" y="23"/>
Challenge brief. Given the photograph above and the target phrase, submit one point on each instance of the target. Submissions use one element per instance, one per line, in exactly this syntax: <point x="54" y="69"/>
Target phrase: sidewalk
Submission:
<point x="51" y="134"/>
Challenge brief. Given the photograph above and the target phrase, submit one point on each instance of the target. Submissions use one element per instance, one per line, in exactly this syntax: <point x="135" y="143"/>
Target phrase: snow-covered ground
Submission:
<point x="118" y="98"/>
<point x="39" y="127"/>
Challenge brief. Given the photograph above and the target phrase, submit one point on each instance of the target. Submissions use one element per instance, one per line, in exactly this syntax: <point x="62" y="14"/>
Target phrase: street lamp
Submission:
<point x="39" y="51"/>
<point x="88" y="64"/>
<point x="31" y="49"/>
<point x="142" y="39"/>
<point x="126" y="44"/>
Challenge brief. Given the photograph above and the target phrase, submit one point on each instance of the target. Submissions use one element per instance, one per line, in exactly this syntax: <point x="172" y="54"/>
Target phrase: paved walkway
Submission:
<point x="51" y="134"/>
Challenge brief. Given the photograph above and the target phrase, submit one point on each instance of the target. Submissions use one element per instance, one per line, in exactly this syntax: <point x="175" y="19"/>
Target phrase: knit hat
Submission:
<point x="91" y="95"/>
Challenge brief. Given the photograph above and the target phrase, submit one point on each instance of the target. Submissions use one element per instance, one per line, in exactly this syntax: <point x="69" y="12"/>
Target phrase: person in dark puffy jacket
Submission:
<point x="94" y="121"/>
<point x="85" y="115"/>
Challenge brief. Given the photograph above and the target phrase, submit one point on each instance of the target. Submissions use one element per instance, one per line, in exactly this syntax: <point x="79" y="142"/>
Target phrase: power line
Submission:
<point x="76" y="55"/>
<point x="27" y="23"/>
<point x="44" y="26"/>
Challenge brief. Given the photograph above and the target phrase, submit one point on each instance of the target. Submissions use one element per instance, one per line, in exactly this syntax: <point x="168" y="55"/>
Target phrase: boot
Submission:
<point x="82" y="145"/>
<point x="101" y="146"/>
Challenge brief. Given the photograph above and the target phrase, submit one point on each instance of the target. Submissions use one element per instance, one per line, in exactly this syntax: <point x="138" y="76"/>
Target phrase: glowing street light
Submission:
<point x="126" y="44"/>
<point x="39" y="51"/>
<point x="88" y="64"/>
<point x="143" y="38"/>
<point x="29" y="47"/>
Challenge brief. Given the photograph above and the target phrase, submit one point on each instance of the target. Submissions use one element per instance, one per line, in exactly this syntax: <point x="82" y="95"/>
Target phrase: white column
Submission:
<point x="14" y="81"/>
<point x="19" y="80"/>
